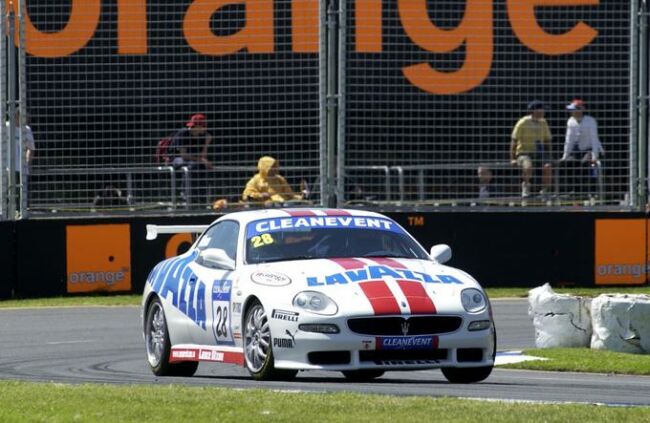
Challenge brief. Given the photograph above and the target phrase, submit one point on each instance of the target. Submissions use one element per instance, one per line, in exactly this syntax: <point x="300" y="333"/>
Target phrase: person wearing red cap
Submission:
<point x="193" y="143"/>
<point x="581" y="132"/>
<point x="581" y="141"/>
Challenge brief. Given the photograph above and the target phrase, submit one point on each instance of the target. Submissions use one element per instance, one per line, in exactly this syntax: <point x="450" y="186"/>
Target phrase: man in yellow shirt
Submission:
<point x="268" y="186"/>
<point x="530" y="148"/>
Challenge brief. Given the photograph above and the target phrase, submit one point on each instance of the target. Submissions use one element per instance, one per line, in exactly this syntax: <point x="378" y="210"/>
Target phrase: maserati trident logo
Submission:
<point x="405" y="327"/>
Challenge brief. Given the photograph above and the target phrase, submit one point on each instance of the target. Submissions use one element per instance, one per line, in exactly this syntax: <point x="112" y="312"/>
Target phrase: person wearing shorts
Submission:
<point x="530" y="148"/>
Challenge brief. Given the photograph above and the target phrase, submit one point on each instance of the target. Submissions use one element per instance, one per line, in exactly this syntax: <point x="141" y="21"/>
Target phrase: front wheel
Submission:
<point x="471" y="374"/>
<point x="467" y="374"/>
<point x="158" y="345"/>
<point x="258" y="352"/>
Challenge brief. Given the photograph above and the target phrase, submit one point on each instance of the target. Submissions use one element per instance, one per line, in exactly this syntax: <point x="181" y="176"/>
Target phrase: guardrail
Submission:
<point x="382" y="182"/>
<point x="177" y="183"/>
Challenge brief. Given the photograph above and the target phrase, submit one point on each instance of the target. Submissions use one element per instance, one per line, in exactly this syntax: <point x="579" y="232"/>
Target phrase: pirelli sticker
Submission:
<point x="621" y="251"/>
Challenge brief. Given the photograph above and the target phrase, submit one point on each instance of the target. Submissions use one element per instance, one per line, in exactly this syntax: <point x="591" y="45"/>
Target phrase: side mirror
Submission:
<point x="217" y="258"/>
<point x="441" y="253"/>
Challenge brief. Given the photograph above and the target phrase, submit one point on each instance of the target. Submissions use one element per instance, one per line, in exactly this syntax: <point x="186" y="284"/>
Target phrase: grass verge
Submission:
<point x="585" y="360"/>
<point x="74" y="301"/>
<point x="23" y="401"/>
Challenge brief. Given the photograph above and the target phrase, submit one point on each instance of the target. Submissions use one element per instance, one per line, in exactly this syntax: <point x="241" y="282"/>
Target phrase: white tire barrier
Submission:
<point x="560" y="320"/>
<point x="621" y="323"/>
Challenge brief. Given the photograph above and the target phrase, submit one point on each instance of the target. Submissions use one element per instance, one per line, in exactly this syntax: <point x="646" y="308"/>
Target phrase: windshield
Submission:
<point x="296" y="238"/>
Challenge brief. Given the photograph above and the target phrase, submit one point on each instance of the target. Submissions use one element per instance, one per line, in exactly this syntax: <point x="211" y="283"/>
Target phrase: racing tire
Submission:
<point x="258" y="351"/>
<point x="158" y="346"/>
<point x="467" y="374"/>
<point x="363" y="375"/>
<point x="471" y="374"/>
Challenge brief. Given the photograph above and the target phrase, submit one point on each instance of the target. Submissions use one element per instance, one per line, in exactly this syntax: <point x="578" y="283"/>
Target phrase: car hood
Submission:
<point x="379" y="286"/>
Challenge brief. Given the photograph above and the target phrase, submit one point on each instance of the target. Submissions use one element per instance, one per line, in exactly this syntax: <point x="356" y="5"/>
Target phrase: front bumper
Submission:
<point x="296" y="349"/>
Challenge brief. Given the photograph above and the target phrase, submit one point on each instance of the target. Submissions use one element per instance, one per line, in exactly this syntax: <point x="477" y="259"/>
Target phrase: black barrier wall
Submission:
<point x="7" y="260"/>
<point x="498" y="249"/>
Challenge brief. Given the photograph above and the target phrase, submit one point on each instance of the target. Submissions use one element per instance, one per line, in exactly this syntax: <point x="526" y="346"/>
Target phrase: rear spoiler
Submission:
<point x="154" y="230"/>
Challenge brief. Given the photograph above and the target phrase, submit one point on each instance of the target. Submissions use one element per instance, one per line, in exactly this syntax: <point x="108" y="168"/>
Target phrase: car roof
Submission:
<point x="247" y="216"/>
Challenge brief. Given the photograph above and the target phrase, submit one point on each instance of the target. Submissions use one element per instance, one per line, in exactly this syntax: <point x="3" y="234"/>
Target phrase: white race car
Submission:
<point x="283" y="290"/>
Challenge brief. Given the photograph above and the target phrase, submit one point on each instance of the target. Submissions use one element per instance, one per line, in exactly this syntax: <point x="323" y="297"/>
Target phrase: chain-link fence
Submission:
<point x="158" y="106"/>
<point x="435" y="89"/>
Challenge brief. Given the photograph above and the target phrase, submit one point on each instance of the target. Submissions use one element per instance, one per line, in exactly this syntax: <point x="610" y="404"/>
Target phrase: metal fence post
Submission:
<point x="322" y="90"/>
<point x="332" y="102"/>
<point x="4" y="151"/>
<point x="11" y="118"/>
<point x="22" y="107"/>
<point x="633" y="142"/>
<point x="643" y="98"/>
<point x="340" y="156"/>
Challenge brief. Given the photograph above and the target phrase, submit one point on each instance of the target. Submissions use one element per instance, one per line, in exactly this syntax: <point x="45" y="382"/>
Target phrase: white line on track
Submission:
<point x="70" y="342"/>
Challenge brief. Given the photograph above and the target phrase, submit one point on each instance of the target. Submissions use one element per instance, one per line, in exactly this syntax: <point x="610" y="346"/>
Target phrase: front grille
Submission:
<point x="329" y="357"/>
<point x="381" y="356"/>
<point x="396" y="326"/>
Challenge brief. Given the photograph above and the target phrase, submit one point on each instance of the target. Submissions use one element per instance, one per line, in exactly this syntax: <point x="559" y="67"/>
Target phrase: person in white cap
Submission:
<point x="582" y="142"/>
<point x="581" y="132"/>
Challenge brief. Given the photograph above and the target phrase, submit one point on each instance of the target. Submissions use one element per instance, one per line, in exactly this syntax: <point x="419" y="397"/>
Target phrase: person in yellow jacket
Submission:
<point x="268" y="186"/>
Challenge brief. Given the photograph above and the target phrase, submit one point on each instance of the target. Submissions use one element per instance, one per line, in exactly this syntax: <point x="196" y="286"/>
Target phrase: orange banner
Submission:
<point x="621" y="251"/>
<point x="98" y="258"/>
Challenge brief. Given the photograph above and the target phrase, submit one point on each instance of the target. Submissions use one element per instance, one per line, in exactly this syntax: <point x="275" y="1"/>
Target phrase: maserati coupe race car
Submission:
<point x="283" y="290"/>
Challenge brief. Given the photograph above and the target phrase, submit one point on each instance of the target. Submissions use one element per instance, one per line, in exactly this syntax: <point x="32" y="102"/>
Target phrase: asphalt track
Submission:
<point x="104" y="345"/>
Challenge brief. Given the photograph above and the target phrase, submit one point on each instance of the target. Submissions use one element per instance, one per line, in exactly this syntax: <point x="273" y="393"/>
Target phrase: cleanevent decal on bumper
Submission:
<point x="407" y="343"/>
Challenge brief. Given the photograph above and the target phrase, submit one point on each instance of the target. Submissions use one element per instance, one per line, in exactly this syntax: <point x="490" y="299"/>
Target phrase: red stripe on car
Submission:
<point x="381" y="298"/>
<point x="332" y="212"/>
<point x="416" y="295"/>
<point x="349" y="263"/>
<point x="300" y="213"/>
<point x="385" y="261"/>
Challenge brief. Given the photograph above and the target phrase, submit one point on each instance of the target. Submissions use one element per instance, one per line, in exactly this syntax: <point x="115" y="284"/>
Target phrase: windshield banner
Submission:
<point x="319" y="222"/>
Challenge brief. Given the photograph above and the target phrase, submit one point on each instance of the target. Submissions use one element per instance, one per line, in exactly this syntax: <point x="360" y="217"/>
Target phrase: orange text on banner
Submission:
<point x="98" y="258"/>
<point x="257" y="35"/>
<point x="621" y="252"/>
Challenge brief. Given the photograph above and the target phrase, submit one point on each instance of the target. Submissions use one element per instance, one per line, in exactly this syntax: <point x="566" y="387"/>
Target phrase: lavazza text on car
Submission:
<point x="284" y="290"/>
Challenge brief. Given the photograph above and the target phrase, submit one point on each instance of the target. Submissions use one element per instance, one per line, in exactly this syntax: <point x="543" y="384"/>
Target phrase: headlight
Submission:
<point x="473" y="300"/>
<point x="315" y="302"/>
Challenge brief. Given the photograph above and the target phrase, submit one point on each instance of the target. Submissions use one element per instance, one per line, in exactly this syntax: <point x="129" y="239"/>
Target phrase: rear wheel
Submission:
<point x="364" y="375"/>
<point x="258" y="352"/>
<point x="158" y="345"/>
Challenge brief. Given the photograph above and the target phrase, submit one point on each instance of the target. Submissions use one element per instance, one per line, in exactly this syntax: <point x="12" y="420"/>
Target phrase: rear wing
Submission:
<point x="154" y="230"/>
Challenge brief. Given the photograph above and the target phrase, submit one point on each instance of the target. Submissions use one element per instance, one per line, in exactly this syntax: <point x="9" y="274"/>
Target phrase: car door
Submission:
<point x="219" y="280"/>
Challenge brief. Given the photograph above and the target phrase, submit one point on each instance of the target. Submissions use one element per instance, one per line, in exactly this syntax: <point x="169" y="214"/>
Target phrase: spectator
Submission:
<point x="192" y="144"/>
<point x="530" y="148"/>
<point x="582" y="142"/>
<point x="268" y="186"/>
<point x="484" y="179"/>
<point x="110" y="197"/>
<point x="22" y="172"/>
